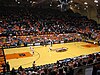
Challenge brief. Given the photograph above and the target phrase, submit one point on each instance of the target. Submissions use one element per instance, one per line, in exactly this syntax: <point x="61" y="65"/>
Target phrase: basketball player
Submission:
<point x="50" y="48"/>
<point x="32" y="49"/>
<point x="34" y="64"/>
<point x="51" y="42"/>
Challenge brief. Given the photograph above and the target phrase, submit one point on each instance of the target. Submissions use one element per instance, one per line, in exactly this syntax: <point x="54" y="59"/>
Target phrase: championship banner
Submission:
<point x="36" y="44"/>
<point x="29" y="44"/>
<point x="61" y="41"/>
<point x="56" y="41"/>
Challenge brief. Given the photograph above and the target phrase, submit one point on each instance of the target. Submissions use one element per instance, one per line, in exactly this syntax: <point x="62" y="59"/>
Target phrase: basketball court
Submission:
<point x="42" y="55"/>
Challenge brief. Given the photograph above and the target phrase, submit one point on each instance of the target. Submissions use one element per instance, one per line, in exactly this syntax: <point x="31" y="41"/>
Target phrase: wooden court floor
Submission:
<point x="43" y="55"/>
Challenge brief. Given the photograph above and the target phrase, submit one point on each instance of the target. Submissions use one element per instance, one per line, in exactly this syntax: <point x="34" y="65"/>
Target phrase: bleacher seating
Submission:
<point x="2" y="60"/>
<point x="21" y="26"/>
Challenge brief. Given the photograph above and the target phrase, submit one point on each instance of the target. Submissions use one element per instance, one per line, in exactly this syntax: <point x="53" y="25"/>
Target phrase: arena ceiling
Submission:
<point x="76" y="3"/>
<point x="91" y="3"/>
<point x="79" y="4"/>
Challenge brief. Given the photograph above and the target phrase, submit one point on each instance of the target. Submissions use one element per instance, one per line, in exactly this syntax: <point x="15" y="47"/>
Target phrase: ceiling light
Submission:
<point x="30" y="1"/>
<point x="18" y="2"/>
<point x="34" y="2"/>
<point x="71" y="1"/>
<point x="97" y="5"/>
<point x="58" y="5"/>
<point x="71" y="7"/>
<point x="85" y="3"/>
<point x="50" y="5"/>
<point x="86" y="6"/>
<point x="75" y="5"/>
<point x="78" y="8"/>
<point x="96" y="1"/>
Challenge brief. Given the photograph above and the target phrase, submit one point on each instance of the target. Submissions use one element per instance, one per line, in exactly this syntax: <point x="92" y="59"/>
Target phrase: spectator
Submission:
<point x="8" y="67"/>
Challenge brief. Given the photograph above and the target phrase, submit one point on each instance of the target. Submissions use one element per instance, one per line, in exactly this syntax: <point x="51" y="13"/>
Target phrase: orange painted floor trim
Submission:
<point x="18" y="55"/>
<point x="90" y="45"/>
<point x="42" y="55"/>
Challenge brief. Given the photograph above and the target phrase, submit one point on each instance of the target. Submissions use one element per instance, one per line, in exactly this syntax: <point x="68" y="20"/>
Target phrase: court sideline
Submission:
<point x="43" y="55"/>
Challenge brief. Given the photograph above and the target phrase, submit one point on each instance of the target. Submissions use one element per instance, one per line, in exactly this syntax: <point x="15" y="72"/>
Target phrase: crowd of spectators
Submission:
<point x="16" y="23"/>
<point x="62" y="67"/>
<point x="17" y="41"/>
<point x="45" y="21"/>
<point x="25" y="26"/>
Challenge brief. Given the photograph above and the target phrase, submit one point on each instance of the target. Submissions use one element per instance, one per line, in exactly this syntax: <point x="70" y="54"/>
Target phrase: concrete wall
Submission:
<point x="91" y="13"/>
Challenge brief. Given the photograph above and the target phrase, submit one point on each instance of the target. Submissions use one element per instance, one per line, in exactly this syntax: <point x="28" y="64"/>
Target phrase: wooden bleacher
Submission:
<point x="2" y="59"/>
